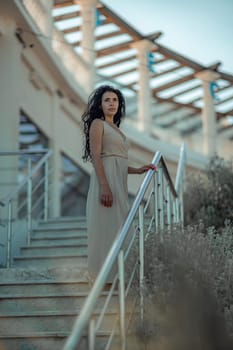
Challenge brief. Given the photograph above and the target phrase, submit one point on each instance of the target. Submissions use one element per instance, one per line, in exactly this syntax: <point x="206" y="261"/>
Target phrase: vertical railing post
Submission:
<point x="156" y="212"/>
<point x="141" y="259"/>
<point x="179" y="186"/>
<point x="181" y="209"/>
<point x="169" y="215"/>
<point x="181" y="197"/>
<point x="46" y="189"/>
<point x="177" y="210"/>
<point x="91" y="335"/>
<point x="122" y="298"/>
<point x="29" y="203"/>
<point x="9" y="235"/>
<point x="161" y="209"/>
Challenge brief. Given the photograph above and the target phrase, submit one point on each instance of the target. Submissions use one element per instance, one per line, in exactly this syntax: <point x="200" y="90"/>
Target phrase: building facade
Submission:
<point x="44" y="87"/>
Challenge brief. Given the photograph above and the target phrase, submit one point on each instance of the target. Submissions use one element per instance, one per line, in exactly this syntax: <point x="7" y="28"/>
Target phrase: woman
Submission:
<point x="107" y="147"/>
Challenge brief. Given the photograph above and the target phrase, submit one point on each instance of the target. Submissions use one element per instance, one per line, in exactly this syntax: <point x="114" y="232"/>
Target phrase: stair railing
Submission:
<point x="156" y="205"/>
<point x="181" y="179"/>
<point x="29" y="201"/>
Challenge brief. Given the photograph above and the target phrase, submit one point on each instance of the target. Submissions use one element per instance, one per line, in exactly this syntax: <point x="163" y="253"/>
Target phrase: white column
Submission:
<point x="208" y="113"/>
<point x="88" y="12"/>
<point x="144" y="93"/>
<point x="10" y="50"/>
<point x="56" y="160"/>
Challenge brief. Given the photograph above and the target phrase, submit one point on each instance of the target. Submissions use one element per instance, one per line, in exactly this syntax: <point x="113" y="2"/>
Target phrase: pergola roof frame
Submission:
<point x="166" y="54"/>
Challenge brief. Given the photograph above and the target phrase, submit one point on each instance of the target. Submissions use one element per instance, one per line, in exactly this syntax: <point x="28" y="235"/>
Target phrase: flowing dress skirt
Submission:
<point x="104" y="223"/>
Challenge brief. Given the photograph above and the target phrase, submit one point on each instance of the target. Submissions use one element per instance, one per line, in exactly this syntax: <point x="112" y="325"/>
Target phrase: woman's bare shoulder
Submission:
<point x="98" y="122"/>
<point x="97" y="125"/>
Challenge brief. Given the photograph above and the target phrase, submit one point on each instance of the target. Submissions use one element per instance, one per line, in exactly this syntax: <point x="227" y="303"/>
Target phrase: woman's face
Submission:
<point x="109" y="104"/>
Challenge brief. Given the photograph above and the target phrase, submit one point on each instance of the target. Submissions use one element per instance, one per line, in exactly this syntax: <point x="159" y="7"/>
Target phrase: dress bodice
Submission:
<point x="114" y="142"/>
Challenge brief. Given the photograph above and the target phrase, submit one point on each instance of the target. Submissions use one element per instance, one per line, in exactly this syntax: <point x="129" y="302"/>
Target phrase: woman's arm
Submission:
<point x="141" y="170"/>
<point x="96" y="136"/>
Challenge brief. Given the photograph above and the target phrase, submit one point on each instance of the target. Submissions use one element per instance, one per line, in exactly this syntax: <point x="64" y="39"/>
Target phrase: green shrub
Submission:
<point x="209" y="197"/>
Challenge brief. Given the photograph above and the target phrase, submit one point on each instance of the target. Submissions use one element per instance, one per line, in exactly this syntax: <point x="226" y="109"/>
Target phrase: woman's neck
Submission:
<point x="109" y="120"/>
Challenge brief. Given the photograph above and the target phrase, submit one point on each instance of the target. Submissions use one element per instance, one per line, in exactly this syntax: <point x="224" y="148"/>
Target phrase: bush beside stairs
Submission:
<point x="41" y="295"/>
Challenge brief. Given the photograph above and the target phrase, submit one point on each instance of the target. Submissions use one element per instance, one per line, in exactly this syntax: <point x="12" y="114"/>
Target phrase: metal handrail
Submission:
<point x="29" y="151"/>
<point x="181" y="168"/>
<point x="28" y="203"/>
<point x="12" y="195"/>
<point x="180" y="179"/>
<point x="116" y="253"/>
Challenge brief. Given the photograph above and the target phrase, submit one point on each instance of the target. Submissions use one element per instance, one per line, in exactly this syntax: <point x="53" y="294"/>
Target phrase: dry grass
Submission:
<point x="188" y="287"/>
<point x="188" y="291"/>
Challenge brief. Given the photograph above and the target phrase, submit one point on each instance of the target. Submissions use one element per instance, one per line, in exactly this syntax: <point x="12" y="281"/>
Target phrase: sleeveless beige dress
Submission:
<point x="104" y="223"/>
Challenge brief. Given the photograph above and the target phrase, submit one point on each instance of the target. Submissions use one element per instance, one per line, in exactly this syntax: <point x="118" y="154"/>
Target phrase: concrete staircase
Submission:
<point x="41" y="295"/>
<point x="56" y="243"/>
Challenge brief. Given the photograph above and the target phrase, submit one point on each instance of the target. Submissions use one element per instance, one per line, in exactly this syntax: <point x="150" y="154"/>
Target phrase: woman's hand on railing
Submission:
<point x="142" y="170"/>
<point x="145" y="168"/>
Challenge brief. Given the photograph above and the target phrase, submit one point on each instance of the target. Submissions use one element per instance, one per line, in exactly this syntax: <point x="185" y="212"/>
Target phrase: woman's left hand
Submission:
<point x="145" y="168"/>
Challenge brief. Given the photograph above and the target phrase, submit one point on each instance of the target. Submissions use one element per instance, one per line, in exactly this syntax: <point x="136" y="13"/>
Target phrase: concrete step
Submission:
<point x="54" y="250"/>
<point x="37" y="241"/>
<point x="61" y="301"/>
<point x="50" y="341"/>
<point x="44" y="274"/>
<point x="31" y="288"/>
<point x="79" y="260"/>
<point x="63" y="223"/>
<point x="58" y="232"/>
<point x="34" y="281"/>
<point x="50" y="320"/>
<point x="63" y="219"/>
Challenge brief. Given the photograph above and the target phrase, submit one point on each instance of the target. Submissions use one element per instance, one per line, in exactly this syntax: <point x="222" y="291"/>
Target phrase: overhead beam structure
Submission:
<point x="173" y="86"/>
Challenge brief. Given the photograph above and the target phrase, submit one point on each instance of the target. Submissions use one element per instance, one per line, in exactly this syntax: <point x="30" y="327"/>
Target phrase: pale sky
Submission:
<point x="201" y="30"/>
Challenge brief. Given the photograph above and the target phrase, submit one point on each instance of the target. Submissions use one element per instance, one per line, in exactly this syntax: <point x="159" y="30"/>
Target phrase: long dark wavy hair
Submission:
<point x="94" y="111"/>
